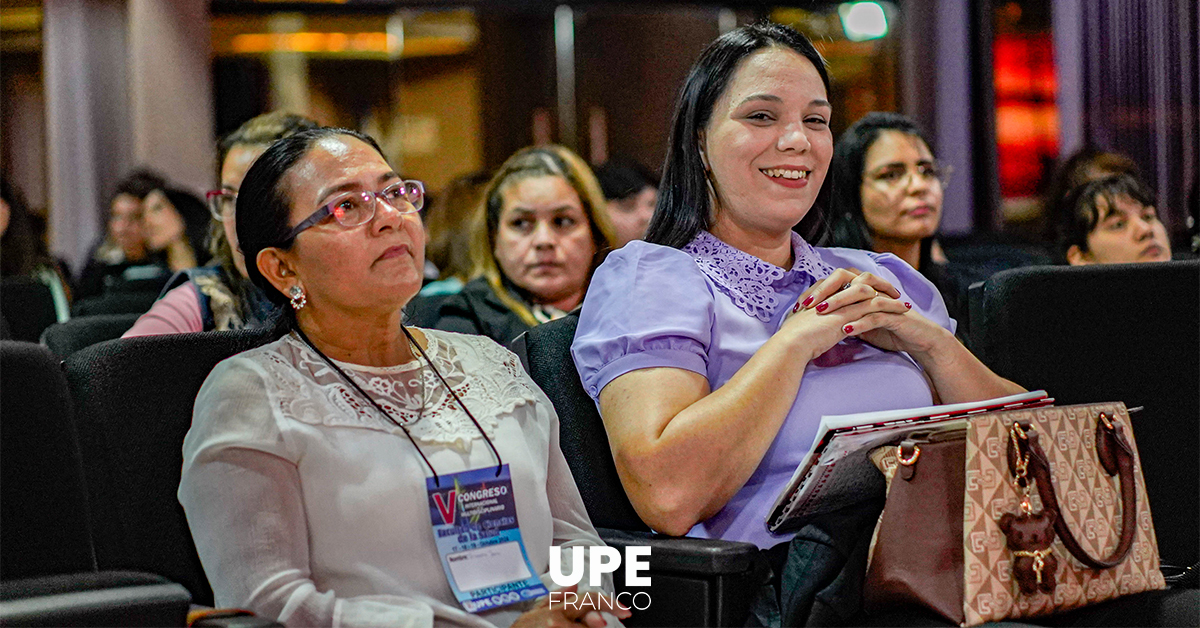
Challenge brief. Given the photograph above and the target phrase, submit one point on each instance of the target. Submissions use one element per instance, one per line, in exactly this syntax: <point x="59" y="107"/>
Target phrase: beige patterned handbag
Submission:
<point x="1022" y="513"/>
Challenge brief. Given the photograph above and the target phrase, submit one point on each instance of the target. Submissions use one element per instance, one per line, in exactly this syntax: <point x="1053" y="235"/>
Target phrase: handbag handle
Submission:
<point x="1116" y="458"/>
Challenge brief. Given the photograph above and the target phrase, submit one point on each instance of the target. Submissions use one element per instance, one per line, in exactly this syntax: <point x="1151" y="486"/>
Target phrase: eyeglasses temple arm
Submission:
<point x="308" y="222"/>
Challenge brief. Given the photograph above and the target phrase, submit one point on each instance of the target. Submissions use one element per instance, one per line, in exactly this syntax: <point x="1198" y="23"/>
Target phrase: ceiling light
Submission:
<point x="863" y="20"/>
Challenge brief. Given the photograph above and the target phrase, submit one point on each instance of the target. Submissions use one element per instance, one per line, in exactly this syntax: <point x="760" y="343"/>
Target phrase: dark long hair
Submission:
<point x="195" y="219"/>
<point x="848" y="226"/>
<point x="683" y="202"/>
<point x="21" y="248"/>
<point x="264" y="206"/>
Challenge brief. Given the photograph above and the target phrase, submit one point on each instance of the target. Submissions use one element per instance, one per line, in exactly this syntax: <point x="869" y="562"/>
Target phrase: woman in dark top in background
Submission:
<point x="544" y="232"/>
<point x="175" y="222"/>
<point x="122" y="256"/>
<point x="23" y="253"/>
<point x="887" y="197"/>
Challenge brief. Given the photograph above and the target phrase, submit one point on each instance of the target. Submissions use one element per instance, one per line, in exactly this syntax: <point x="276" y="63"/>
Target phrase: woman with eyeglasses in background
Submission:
<point x="887" y="197"/>
<point x="313" y="463"/>
<point x="219" y="296"/>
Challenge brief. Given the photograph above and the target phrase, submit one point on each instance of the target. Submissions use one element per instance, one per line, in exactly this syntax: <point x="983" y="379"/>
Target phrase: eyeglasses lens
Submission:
<point x="221" y="204"/>
<point x="354" y="210"/>
<point x="357" y="209"/>
<point x="414" y="193"/>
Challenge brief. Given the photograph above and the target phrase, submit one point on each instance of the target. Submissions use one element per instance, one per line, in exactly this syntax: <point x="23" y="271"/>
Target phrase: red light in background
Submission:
<point x="1026" y="114"/>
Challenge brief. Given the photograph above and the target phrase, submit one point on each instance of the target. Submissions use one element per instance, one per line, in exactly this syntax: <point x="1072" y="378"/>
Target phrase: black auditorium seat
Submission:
<point x="84" y="331"/>
<point x="134" y="401"/>
<point x="119" y="302"/>
<point x="27" y="306"/>
<point x="107" y="598"/>
<point x="695" y="582"/>
<point x="48" y="571"/>
<point x="43" y="510"/>
<point x="1126" y="333"/>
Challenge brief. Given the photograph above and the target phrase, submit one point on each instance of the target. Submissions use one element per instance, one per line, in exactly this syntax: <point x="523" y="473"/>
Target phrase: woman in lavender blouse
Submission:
<point x="714" y="347"/>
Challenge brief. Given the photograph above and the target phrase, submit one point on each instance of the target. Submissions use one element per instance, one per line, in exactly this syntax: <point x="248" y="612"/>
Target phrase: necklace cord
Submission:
<point x="499" y="461"/>
<point x="386" y="414"/>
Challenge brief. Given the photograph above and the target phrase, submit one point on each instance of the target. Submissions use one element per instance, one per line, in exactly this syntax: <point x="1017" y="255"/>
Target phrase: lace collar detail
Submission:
<point x="487" y="378"/>
<point x="754" y="285"/>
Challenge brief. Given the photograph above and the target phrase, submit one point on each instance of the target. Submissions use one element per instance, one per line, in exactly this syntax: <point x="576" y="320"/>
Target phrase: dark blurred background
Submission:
<point x="93" y="88"/>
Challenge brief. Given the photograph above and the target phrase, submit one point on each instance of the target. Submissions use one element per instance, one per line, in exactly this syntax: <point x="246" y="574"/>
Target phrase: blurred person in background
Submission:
<point x="123" y="255"/>
<point x="632" y="192"/>
<point x="450" y="223"/>
<point x="544" y="232"/>
<point x="1084" y="165"/>
<point x="219" y="296"/>
<point x="887" y="196"/>
<point x="1112" y="220"/>
<point x="23" y="253"/>
<point x="175" y="223"/>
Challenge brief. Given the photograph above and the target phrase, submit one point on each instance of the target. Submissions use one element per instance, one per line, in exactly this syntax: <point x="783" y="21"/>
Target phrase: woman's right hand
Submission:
<point x="822" y="314"/>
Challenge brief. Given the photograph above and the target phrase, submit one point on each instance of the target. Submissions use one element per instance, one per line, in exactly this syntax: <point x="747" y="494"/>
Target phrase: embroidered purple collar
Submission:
<point x="754" y="285"/>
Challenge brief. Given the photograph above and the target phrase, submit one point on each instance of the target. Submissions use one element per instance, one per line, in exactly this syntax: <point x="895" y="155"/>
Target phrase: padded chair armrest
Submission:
<point x="94" y="599"/>
<point x="683" y="554"/>
<point x="208" y="617"/>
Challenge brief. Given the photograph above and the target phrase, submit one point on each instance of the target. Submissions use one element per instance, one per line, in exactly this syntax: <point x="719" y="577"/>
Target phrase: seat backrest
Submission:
<point x="118" y="302"/>
<point x="1126" y="333"/>
<point x="545" y="351"/>
<point x="109" y="598"/>
<point x="133" y="400"/>
<point x="84" y="331"/>
<point x="43" y="503"/>
<point x="27" y="306"/>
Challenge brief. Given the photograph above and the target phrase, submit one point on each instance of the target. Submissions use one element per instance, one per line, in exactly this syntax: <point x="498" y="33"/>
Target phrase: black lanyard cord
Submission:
<point x="392" y="419"/>
<point x="450" y="389"/>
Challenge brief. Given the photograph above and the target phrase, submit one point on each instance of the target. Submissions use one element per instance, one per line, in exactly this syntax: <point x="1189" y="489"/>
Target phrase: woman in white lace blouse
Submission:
<point x="314" y="468"/>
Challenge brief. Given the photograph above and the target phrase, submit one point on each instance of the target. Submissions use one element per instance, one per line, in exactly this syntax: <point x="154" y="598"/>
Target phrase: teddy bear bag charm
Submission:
<point x="1029" y="534"/>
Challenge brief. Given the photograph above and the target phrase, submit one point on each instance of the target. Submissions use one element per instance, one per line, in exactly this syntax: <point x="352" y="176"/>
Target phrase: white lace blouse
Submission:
<point x="308" y="506"/>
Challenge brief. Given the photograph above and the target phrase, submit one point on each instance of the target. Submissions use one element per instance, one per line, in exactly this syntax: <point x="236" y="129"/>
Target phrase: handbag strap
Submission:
<point x="1116" y="458"/>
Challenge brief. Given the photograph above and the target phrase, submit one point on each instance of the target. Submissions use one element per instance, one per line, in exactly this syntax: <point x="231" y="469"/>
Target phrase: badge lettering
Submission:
<point x="448" y="511"/>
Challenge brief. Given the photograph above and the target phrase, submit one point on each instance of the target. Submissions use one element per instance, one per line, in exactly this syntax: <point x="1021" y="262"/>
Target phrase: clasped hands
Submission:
<point x="853" y="303"/>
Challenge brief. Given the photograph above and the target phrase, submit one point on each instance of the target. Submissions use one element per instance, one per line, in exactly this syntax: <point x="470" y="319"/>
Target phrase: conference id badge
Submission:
<point x="475" y="526"/>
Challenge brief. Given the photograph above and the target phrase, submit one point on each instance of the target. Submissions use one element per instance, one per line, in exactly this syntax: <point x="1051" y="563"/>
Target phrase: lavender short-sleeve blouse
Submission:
<point x="707" y="308"/>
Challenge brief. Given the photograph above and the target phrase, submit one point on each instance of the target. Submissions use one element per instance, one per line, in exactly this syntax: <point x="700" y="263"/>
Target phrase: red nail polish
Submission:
<point x="807" y="301"/>
<point x="795" y="308"/>
<point x="908" y="305"/>
<point x="823" y="306"/>
<point x="848" y="328"/>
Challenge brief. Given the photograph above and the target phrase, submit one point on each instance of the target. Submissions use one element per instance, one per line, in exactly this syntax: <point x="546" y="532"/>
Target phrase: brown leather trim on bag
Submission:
<point x="1112" y="447"/>
<point x="918" y="556"/>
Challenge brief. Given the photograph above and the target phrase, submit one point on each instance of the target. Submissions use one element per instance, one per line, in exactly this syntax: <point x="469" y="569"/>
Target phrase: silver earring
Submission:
<point x="299" y="299"/>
